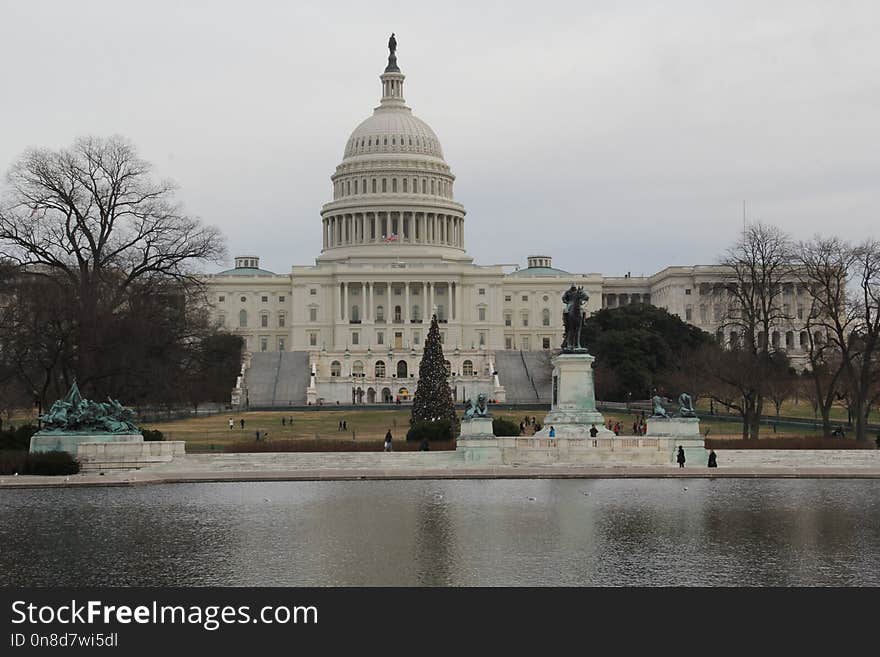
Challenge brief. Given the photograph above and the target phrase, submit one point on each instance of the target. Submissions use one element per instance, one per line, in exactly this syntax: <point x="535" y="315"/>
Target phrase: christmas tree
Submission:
<point x="432" y="402"/>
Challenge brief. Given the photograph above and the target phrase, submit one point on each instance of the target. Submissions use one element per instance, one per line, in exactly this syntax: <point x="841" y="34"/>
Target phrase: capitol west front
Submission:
<point x="350" y="328"/>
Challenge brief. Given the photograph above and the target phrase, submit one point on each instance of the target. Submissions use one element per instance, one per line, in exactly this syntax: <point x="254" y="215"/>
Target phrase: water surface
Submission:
<point x="497" y="532"/>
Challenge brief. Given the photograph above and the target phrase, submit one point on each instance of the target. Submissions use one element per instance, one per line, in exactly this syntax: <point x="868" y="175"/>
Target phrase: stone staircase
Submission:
<point x="525" y="375"/>
<point x="277" y="378"/>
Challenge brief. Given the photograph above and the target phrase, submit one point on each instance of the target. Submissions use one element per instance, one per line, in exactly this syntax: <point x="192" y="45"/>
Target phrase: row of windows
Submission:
<point x="792" y="340"/>
<point x="243" y="319"/>
<point x="718" y="312"/>
<point x="366" y="144"/>
<point x="524" y="318"/>
<point x="401" y="369"/>
<point x="263" y="299"/>
<point x="433" y="186"/>
<point x="525" y="343"/>
<point x="788" y="289"/>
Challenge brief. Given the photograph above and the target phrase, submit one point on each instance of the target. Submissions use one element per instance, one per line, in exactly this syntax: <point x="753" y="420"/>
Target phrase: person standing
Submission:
<point x="593" y="431"/>
<point x="231" y="424"/>
<point x="680" y="457"/>
<point x="283" y="421"/>
<point x="713" y="459"/>
<point x="242" y="424"/>
<point x="388" y="441"/>
<point x="552" y="431"/>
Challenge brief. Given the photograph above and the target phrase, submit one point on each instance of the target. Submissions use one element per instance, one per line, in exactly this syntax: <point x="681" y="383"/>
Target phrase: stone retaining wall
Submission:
<point x="798" y="458"/>
<point x="127" y="456"/>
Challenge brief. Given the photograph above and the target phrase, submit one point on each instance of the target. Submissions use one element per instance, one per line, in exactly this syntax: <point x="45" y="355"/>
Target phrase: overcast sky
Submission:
<point x="614" y="136"/>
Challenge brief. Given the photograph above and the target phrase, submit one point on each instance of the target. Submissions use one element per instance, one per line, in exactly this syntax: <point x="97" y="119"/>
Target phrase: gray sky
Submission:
<point x="614" y="136"/>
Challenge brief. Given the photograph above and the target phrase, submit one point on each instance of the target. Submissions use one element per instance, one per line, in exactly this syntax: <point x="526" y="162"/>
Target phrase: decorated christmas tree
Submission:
<point x="432" y="403"/>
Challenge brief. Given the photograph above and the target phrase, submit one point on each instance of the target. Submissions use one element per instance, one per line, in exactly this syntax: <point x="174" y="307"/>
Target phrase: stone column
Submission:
<point x="406" y="303"/>
<point x="458" y="301"/>
<point x="387" y="230"/>
<point x="345" y="302"/>
<point x="368" y="312"/>
<point x="430" y="292"/>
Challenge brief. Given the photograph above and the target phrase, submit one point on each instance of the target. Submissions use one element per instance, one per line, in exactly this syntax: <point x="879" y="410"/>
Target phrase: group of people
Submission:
<point x="712" y="463"/>
<point x="343" y="426"/>
<point x="529" y="423"/>
<point x="639" y="426"/>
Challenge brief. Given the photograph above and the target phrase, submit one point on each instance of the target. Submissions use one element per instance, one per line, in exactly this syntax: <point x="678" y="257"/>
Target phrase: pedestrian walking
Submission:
<point x="242" y="424"/>
<point x="345" y="425"/>
<point x="552" y="431"/>
<point x="680" y="457"/>
<point x="283" y="421"/>
<point x="713" y="459"/>
<point x="231" y="424"/>
<point x="258" y="435"/>
<point x="388" y="441"/>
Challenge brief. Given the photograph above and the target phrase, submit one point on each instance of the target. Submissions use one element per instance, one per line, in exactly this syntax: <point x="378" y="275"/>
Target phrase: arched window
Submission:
<point x="380" y="369"/>
<point x="405" y="185"/>
<point x="805" y="338"/>
<point x="467" y="368"/>
<point x="384" y="185"/>
<point x="242" y="318"/>
<point x="335" y="368"/>
<point x="545" y="317"/>
<point x="374" y="185"/>
<point x="394" y="184"/>
<point x="818" y="338"/>
<point x="357" y="368"/>
<point x="401" y="369"/>
<point x="397" y="313"/>
<point x="380" y="313"/>
<point x="774" y="338"/>
<point x="355" y="313"/>
<point x="789" y="339"/>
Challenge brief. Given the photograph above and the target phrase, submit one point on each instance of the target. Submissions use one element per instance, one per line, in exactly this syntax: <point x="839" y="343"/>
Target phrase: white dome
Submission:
<point x="393" y="130"/>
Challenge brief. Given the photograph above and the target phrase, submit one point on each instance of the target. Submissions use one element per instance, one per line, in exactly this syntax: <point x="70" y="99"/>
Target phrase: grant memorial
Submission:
<point x="573" y="403"/>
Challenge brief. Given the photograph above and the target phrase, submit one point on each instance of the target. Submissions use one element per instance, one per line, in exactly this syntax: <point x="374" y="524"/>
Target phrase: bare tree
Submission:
<point x="93" y="221"/>
<point x="759" y="264"/>
<point x="844" y="284"/>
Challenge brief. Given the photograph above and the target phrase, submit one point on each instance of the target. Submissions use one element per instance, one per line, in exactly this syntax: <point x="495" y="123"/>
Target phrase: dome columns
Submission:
<point x="398" y="226"/>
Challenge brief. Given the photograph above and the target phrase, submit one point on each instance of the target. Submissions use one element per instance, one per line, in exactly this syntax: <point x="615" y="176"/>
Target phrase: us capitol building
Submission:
<point x="350" y="328"/>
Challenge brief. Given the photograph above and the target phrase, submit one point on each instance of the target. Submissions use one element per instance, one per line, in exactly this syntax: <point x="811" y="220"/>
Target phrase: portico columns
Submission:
<point x="345" y="302"/>
<point x="406" y="303"/>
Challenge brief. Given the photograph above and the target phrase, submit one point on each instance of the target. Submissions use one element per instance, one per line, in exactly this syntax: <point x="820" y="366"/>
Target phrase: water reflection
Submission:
<point x="520" y="532"/>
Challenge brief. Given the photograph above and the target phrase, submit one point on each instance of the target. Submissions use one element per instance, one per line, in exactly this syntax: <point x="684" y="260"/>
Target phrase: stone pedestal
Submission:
<point x="69" y="442"/>
<point x="683" y="431"/>
<point x="477" y="443"/>
<point x="573" y="407"/>
<point x="676" y="427"/>
<point x="478" y="427"/>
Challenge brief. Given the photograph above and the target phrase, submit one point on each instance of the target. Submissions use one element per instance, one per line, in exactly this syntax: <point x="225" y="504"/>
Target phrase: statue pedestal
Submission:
<point x="477" y="427"/>
<point x="477" y="443"/>
<point x="680" y="431"/>
<point x="573" y="407"/>
<point x="69" y="442"/>
<point x="673" y="427"/>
